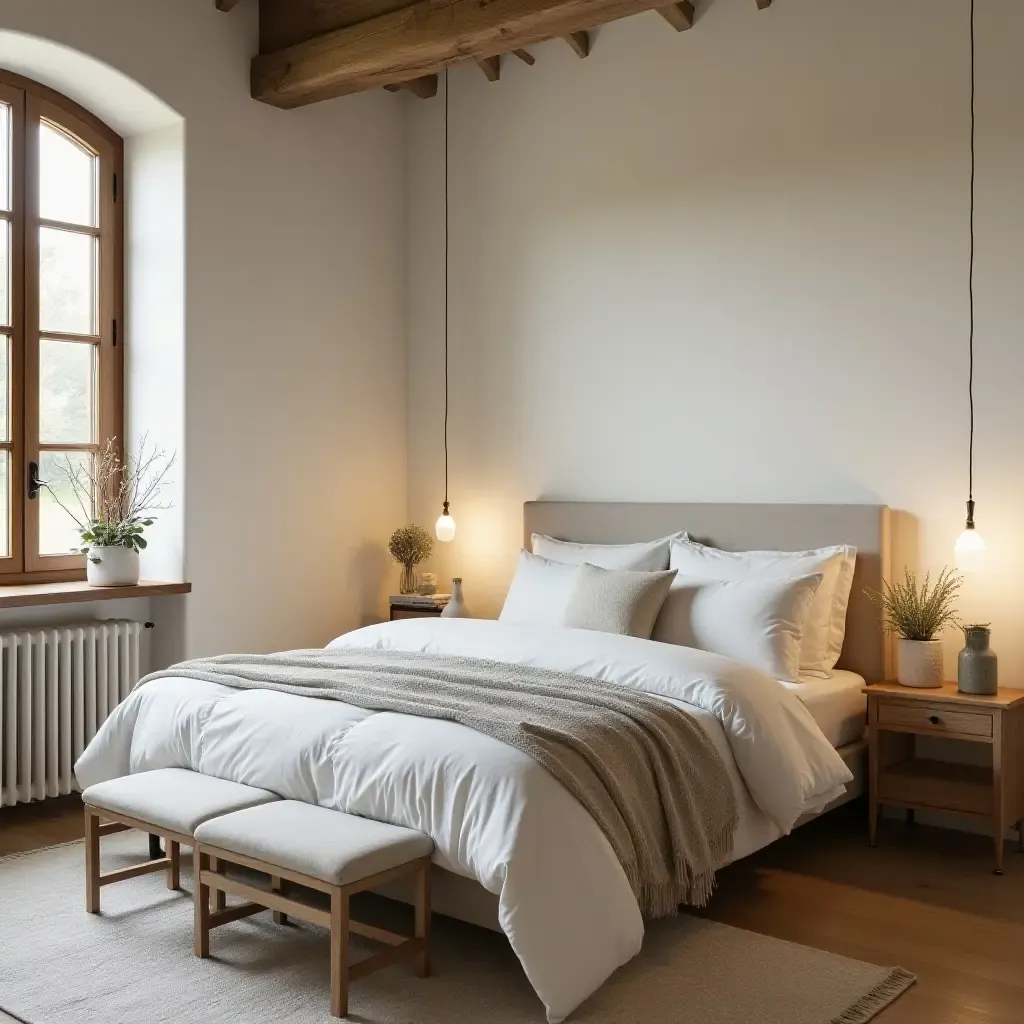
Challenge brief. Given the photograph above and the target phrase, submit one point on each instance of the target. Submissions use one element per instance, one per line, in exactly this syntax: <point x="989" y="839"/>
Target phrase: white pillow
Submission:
<point x="757" y="622"/>
<point x="651" y="556"/>
<point x="539" y="592"/>
<point x="620" y="601"/>
<point x="826" y="621"/>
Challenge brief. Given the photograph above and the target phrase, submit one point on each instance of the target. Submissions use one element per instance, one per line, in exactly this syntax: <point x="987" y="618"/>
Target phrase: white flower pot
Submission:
<point x="112" y="567"/>
<point x="919" y="663"/>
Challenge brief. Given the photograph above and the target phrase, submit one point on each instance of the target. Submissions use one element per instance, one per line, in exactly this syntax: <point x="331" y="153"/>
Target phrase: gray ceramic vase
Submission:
<point x="977" y="665"/>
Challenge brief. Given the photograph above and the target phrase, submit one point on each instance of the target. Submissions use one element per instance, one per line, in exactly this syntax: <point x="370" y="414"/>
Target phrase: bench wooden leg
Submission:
<point x="422" y="962"/>
<point x="339" y="953"/>
<point x="277" y="885"/>
<point x="201" y="900"/>
<point x="220" y="898"/>
<point x="174" y="865"/>
<point x="92" y="861"/>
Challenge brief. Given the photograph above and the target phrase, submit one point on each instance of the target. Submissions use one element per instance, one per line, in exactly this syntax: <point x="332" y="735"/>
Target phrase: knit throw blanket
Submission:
<point x="644" y="769"/>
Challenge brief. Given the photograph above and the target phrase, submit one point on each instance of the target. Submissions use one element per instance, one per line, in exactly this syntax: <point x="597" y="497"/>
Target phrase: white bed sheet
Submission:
<point x="836" y="704"/>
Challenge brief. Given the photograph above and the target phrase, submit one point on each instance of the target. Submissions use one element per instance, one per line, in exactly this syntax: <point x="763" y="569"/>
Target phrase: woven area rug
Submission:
<point x="134" y="965"/>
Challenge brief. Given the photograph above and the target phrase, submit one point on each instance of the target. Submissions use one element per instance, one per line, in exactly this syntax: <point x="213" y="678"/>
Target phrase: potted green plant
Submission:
<point x="114" y="503"/>
<point x="410" y="545"/>
<point x="917" y="614"/>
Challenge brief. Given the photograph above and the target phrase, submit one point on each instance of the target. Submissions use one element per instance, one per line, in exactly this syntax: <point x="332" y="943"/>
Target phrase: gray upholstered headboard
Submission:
<point x="747" y="528"/>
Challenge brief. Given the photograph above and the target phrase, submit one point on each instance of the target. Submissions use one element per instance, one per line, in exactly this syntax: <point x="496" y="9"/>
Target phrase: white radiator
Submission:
<point x="57" y="686"/>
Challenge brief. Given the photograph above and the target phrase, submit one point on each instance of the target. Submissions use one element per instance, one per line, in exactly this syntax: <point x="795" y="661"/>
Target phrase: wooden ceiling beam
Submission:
<point x="525" y="56"/>
<point x="286" y="22"/>
<point x="580" y="43"/>
<point x="679" y="15"/>
<point x="425" y="87"/>
<point x="421" y="40"/>
<point x="225" y="5"/>
<point x="491" y="67"/>
<point x="763" y="5"/>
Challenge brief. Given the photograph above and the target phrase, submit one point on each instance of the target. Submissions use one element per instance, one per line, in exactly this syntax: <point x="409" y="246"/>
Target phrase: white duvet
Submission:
<point x="493" y="813"/>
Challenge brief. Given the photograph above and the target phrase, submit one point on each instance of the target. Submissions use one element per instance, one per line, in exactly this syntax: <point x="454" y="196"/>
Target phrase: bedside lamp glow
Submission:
<point x="445" y="526"/>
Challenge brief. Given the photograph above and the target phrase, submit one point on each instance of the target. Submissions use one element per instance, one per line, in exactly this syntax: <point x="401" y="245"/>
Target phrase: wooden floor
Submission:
<point x="924" y="898"/>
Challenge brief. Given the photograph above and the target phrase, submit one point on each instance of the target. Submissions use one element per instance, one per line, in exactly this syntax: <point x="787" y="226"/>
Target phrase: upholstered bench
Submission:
<point x="169" y="802"/>
<point x="327" y="851"/>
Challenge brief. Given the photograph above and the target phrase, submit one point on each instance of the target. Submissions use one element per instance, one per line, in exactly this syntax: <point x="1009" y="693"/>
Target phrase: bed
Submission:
<point x="514" y="849"/>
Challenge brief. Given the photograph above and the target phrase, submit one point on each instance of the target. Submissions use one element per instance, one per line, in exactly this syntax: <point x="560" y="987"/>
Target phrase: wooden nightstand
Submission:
<point x="400" y="610"/>
<point x="992" y="793"/>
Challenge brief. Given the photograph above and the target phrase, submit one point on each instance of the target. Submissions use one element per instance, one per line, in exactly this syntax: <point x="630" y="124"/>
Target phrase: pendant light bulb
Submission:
<point x="970" y="545"/>
<point x="445" y="526"/>
<point x="970" y="551"/>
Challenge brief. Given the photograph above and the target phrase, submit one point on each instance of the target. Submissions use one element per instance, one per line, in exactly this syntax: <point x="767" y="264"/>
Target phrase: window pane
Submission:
<point x="58" y="532"/>
<point x="5" y="387"/>
<point x="5" y="156"/>
<point x="5" y="504"/>
<point x="67" y="178"/>
<point x="5" y="273"/>
<point x="66" y="392"/>
<point x="67" y="282"/>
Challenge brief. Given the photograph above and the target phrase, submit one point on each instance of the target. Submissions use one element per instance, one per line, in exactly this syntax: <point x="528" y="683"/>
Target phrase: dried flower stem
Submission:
<point x="116" y="500"/>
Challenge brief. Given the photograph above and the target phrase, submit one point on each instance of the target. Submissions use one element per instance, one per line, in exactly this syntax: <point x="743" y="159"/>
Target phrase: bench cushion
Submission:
<point x="328" y="845"/>
<point x="173" y="798"/>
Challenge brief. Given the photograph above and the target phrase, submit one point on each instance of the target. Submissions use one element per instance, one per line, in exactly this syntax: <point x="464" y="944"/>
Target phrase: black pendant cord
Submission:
<point x="970" y="372"/>
<point x="445" y="289"/>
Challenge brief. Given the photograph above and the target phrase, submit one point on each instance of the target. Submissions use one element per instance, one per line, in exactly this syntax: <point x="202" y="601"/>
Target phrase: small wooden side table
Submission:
<point x="991" y="793"/>
<point x="400" y="610"/>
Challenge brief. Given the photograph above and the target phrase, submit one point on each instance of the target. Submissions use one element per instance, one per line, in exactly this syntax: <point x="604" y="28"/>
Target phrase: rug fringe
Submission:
<point x="40" y="849"/>
<point x="894" y="984"/>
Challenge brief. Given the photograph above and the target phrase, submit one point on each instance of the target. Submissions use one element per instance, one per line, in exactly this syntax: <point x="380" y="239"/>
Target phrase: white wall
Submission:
<point x="729" y="265"/>
<point x="155" y="323"/>
<point x="294" y="314"/>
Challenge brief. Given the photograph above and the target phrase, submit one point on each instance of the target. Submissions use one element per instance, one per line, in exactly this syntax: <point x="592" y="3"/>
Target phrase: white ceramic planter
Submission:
<point x="112" y="567"/>
<point x="919" y="663"/>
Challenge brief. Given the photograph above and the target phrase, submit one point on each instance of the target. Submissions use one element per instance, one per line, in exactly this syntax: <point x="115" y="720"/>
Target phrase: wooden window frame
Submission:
<point x="29" y="103"/>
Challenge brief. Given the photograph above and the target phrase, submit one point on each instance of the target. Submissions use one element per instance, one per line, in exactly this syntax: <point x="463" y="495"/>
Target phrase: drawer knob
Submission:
<point x="934" y="719"/>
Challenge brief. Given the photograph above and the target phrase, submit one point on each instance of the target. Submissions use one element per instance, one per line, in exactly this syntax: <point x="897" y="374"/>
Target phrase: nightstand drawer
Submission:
<point x="414" y="613"/>
<point x="933" y="718"/>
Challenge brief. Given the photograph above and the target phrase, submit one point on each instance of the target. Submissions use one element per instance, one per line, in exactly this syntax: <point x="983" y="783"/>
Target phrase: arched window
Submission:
<point x="61" y="342"/>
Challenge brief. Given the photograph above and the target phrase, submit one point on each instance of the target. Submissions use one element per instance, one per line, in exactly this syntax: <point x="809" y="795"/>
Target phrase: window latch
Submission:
<point x="34" y="483"/>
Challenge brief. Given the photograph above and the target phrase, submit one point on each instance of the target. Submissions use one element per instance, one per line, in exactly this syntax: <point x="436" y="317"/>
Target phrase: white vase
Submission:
<point x="456" y="607"/>
<point x="112" y="566"/>
<point x="919" y="663"/>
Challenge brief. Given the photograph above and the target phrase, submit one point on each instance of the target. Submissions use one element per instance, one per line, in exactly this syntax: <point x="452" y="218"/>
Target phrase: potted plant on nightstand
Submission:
<point x="410" y="545"/>
<point x="917" y="614"/>
<point x="115" y="502"/>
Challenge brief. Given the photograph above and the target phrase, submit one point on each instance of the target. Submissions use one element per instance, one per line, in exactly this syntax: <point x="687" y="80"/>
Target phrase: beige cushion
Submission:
<point x="329" y="845"/>
<point x="617" y="601"/>
<point x="174" y="798"/>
